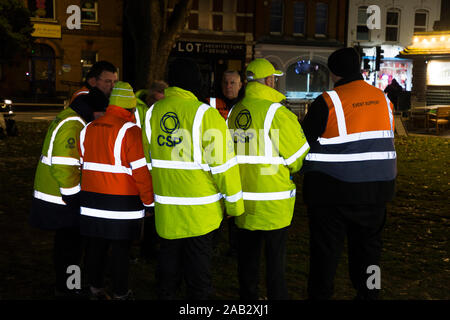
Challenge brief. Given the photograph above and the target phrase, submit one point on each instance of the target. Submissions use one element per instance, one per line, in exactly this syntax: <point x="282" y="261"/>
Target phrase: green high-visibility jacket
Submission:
<point x="193" y="165"/>
<point x="141" y="110"/>
<point x="270" y="147"/>
<point x="58" y="170"/>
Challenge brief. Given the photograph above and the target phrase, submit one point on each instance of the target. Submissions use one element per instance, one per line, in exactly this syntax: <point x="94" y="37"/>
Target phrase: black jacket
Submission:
<point x="320" y="188"/>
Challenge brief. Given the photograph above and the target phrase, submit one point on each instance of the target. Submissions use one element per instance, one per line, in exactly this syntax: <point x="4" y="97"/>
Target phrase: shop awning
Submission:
<point x="436" y="43"/>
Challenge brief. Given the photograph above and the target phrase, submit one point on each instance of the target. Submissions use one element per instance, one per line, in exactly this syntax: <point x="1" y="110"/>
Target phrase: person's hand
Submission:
<point x="149" y="211"/>
<point x="72" y="201"/>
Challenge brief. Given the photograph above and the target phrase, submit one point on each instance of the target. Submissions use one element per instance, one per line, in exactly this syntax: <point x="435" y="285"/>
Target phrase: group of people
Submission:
<point x="115" y="158"/>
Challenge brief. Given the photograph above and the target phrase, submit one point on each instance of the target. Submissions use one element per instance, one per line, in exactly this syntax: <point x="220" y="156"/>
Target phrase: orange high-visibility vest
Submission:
<point x="82" y="91"/>
<point x="116" y="183"/>
<point x="220" y="105"/>
<point x="358" y="142"/>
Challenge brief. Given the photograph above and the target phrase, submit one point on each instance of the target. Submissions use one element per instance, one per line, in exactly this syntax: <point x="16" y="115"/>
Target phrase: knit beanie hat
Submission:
<point x="97" y="100"/>
<point x="122" y="95"/>
<point x="344" y="62"/>
<point x="185" y="74"/>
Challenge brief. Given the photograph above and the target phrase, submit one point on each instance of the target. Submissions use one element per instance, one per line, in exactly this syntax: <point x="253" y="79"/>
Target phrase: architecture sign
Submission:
<point x="209" y="48"/>
<point x="45" y="30"/>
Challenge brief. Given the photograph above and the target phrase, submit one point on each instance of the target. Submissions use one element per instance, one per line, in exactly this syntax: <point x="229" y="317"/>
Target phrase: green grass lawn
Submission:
<point x="415" y="260"/>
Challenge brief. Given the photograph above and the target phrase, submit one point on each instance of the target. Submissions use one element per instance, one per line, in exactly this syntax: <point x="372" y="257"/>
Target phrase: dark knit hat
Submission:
<point x="97" y="100"/>
<point x="185" y="74"/>
<point x="344" y="62"/>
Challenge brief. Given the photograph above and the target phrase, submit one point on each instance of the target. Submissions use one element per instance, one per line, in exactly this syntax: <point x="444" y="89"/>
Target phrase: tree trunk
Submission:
<point x="154" y="33"/>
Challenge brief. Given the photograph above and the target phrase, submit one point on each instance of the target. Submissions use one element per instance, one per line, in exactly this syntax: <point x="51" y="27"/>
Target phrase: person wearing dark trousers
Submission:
<point x="194" y="190"/>
<point x="329" y="226"/>
<point x="116" y="190"/>
<point x="249" y="255"/>
<point x="56" y="197"/>
<point x="188" y="259"/>
<point x="97" y="260"/>
<point x="268" y="191"/>
<point x="349" y="176"/>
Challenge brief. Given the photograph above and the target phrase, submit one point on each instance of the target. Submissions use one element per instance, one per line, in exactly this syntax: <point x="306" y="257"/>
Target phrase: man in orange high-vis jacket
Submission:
<point x="102" y="76"/>
<point x="350" y="174"/>
<point x="116" y="189"/>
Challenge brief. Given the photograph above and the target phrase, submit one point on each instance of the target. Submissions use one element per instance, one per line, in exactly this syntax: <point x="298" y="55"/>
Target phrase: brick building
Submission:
<point x="297" y="35"/>
<point x="60" y="57"/>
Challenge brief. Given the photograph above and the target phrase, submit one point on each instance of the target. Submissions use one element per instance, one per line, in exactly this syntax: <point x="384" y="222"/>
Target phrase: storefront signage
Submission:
<point x="44" y="30"/>
<point x="208" y="48"/>
<point x="438" y="73"/>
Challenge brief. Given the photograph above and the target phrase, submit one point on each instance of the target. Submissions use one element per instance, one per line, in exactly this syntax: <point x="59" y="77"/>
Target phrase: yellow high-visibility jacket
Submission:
<point x="194" y="169"/>
<point x="270" y="147"/>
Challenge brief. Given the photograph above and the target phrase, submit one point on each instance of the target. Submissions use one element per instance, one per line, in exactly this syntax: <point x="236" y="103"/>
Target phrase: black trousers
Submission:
<point x="67" y="249"/>
<point x="249" y="255"/>
<point x="97" y="258"/>
<point x="188" y="258"/>
<point x="329" y="225"/>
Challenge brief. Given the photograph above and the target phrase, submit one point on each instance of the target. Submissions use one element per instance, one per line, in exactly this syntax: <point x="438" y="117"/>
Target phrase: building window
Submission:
<point x="276" y="17"/>
<point x="244" y="16"/>
<point x="321" y="19"/>
<point x="362" y="32"/>
<point x="299" y="18"/>
<point x="89" y="11"/>
<point x="192" y="23"/>
<point x="217" y="15"/>
<point x="392" y="25"/>
<point x="420" y="21"/>
<point x="42" y="9"/>
<point x="88" y="58"/>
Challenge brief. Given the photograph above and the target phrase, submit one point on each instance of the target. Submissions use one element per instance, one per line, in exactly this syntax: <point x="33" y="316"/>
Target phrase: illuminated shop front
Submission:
<point x="391" y="67"/>
<point x="430" y="52"/>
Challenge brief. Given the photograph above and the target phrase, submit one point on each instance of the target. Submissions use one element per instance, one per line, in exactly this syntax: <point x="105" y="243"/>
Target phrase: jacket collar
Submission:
<point x="258" y="90"/>
<point x="121" y="113"/>
<point x="178" y="92"/>
<point x="354" y="77"/>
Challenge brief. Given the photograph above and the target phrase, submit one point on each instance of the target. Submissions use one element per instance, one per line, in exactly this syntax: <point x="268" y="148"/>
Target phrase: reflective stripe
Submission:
<point x="228" y="116"/>
<point x="118" y="142"/>
<point x="196" y="128"/>
<point x="46" y="160"/>
<point x="260" y="160"/>
<point x="224" y="167"/>
<point x="234" y="197"/>
<point x="262" y="196"/>
<point x="108" y="214"/>
<point x="212" y="102"/>
<point x="391" y="116"/>
<point x="138" y="118"/>
<point x="119" y="95"/>
<point x="138" y="164"/>
<point x="148" y="128"/>
<point x="169" y="164"/>
<point x="267" y="124"/>
<point x="365" y="156"/>
<point x="76" y="94"/>
<point x="188" y="200"/>
<point x="48" y="197"/>
<point x="82" y="138"/>
<point x="102" y="167"/>
<point x="382" y="134"/>
<point x="339" y="112"/>
<point x="149" y="166"/>
<point x="298" y="154"/>
<point x="52" y="140"/>
<point x="70" y="191"/>
<point x="65" y="160"/>
<point x="149" y="205"/>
